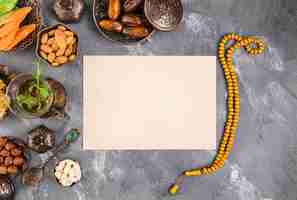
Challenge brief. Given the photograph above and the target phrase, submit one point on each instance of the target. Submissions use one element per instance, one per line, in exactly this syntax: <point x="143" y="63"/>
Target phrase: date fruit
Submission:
<point x="131" y="5"/>
<point x="114" y="9"/>
<point x="136" y="32"/>
<point x="131" y="20"/>
<point x="111" y="25"/>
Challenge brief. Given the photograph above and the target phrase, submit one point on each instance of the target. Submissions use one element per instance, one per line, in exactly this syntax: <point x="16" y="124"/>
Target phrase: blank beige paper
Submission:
<point x="149" y="102"/>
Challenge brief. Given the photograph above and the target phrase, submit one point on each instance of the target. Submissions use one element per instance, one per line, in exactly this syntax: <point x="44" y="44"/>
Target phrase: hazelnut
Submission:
<point x="3" y="169"/>
<point x="9" y="146"/>
<point x="12" y="169"/>
<point x="3" y="141"/>
<point x="18" y="161"/>
<point x="16" y="152"/>
<point x="8" y="161"/>
<point x="4" y="153"/>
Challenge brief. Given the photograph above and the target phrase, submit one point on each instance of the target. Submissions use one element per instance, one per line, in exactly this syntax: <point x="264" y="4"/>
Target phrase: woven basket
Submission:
<point x="34" y="17"/>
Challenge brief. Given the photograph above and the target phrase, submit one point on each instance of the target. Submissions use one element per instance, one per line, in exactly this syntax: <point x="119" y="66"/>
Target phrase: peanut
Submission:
<point x="44" y="38"/>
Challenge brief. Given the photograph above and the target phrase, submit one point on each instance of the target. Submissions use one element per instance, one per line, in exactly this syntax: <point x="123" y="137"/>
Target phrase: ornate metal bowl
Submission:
<point x="100" y="12"/>
<point x="48" y="29"/>
<point x="164" y="15"/>
<point x="12" y="92"/>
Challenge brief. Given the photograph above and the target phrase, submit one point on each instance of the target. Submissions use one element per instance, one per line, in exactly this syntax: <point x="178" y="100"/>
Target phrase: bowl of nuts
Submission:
<point x="122" y="20"/>
<point x="13" y="156"/>
<point x="57" y="45"/>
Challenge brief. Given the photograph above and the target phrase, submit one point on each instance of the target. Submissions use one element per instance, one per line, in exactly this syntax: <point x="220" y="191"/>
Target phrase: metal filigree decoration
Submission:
<point x="165" y="15"/>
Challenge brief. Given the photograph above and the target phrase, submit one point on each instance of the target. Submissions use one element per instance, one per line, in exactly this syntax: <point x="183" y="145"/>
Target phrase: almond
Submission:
<point x="44" y="38"/>
<point x="46" y="48"/>
<point x="43" y="54"/>
<point x="61" y="59"/>
<point x="69" y="33"/>
<point x="62" y="28"/>
<point x="52" y="32"/>
<point x="51" y="57"/>
<point x="60" y="38"/>
<point x="68" y="51"/>
<point x="60" y="52"/>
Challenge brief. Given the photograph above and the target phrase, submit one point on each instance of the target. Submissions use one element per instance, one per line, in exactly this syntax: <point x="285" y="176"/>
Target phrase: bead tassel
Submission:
<point x="252" y="46"/>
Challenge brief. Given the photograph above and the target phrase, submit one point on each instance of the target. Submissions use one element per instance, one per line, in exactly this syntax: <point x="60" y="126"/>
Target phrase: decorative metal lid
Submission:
<point x="164" y="15"/>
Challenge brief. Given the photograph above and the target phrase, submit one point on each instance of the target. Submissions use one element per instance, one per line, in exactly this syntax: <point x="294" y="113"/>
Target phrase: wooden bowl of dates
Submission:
<point x="122" y="20"/>
<point x="57" y="45"/>
<point x="13" y="156"/>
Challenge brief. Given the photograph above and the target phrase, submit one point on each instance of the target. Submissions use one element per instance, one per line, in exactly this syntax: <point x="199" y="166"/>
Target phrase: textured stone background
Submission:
<point x="263" y="164"/>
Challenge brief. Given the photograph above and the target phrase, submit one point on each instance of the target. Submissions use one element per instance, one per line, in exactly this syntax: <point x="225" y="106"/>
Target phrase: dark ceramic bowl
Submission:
<point x="100" y="12"/>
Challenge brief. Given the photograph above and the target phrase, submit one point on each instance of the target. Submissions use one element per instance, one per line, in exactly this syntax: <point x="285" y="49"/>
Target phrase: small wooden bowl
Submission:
<point x="48" y="29"/>
<point x="100" y="12"/>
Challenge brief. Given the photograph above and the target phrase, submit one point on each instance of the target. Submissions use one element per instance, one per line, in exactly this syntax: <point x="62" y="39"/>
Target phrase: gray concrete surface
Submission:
<point x="263" y="164"/>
